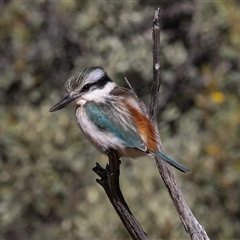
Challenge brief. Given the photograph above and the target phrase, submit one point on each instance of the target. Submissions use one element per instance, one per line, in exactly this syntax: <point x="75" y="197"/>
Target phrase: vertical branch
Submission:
<point x="153" y="108"/>
<point x="110" y="175"/>
<point x="190" y="223"/>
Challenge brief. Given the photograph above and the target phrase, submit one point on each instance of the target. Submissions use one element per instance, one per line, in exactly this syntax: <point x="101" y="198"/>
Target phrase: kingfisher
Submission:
<point x="112" y="117"/>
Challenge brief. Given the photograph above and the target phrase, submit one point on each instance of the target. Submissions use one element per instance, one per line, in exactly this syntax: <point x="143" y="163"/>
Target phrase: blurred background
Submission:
<point x="47" y="187"/>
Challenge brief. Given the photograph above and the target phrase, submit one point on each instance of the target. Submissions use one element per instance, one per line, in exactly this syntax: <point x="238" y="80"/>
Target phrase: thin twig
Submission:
<point x="143" y="106"/>
<point x="153" y="108"/>
<point x="130" y="86"/>
<point x="190" y="223"/>
<point x="110" y="175"/>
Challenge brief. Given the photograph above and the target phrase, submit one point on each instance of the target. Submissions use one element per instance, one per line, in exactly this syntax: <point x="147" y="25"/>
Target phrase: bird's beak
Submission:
<point x="64" y="102"/>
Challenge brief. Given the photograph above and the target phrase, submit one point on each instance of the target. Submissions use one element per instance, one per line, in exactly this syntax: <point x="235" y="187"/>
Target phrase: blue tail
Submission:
<point x="172" y="162"/>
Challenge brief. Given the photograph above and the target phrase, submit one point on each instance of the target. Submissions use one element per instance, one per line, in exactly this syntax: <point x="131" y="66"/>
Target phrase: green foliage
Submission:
<point x="47" y="188"/>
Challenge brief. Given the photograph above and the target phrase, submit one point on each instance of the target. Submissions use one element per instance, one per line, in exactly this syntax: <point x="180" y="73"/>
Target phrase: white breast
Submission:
<point x="102" y="140"/>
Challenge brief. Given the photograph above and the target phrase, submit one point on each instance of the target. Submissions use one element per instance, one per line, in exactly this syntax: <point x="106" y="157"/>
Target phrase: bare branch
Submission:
<point x="110" y="175"/>
<point x="190" y="223"/>
<point x="153" y="108"/>
<point x="130" y="86"/>
<point x="110" y="182"/>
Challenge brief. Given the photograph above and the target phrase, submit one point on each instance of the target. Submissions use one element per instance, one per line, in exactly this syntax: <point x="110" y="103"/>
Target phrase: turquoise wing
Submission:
<point x="112" y="118"/>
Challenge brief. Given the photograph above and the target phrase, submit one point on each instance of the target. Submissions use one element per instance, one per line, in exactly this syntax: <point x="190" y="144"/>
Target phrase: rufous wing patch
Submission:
<point x="145" y="128"/>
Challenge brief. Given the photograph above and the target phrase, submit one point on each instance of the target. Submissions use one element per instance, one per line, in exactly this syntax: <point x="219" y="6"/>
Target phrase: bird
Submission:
<point x="112" y="117"/>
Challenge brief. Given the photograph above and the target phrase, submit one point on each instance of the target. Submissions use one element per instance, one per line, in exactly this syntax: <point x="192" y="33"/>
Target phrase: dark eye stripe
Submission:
<point x="102" y="82"/>
<point x="98" y="84"/>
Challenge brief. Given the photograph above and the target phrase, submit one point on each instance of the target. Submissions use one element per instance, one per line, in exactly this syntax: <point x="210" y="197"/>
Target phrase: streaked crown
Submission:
<point x="87" y="80"/>
<point x="92" y="83"/>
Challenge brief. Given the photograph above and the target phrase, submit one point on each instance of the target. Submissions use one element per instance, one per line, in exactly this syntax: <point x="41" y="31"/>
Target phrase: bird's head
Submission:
<point x="90" y="84"/>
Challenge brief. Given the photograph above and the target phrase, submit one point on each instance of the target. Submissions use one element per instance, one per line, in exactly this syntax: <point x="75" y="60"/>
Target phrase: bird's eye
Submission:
<point x="86" y="88"/>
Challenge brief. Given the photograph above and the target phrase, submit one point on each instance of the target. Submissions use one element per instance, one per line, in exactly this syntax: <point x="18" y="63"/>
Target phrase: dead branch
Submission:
<point x="110" y="182"/>
<point x="190" y="223"/>
<point x="110" y="175"/>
